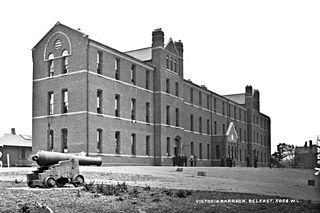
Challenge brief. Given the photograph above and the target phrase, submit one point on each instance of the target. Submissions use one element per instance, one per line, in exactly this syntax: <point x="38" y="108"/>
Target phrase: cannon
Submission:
<point x="58" y="169"/>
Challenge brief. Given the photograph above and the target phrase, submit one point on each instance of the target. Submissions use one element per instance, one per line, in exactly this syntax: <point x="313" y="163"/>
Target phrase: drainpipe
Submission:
<point x="211" y="133"/>
<point x="87" y="97"/>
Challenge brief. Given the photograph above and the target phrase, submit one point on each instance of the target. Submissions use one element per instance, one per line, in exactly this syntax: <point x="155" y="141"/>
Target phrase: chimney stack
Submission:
<point x="310" y="143"/>
<point x="249" y="90"/>
<point x="179" y="46"/>
<point x="13" y="131"/>
<point x="157" y="38"/>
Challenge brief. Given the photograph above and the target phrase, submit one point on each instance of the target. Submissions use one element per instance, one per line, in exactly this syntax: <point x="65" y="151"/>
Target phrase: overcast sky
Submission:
<point x="272" y="45"/>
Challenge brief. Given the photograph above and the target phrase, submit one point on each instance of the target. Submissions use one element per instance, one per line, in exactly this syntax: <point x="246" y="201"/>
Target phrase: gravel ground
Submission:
<point x="242" y="189"/>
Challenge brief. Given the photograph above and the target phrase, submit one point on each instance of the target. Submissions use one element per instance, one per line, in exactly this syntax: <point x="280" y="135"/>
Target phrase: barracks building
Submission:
<point x="136" y="108"/>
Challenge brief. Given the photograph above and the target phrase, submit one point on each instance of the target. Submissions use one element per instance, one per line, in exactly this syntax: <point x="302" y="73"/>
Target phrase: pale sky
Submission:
<point x="272" y="45"/>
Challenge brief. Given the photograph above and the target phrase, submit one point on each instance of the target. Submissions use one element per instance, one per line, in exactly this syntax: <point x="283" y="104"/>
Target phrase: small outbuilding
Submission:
<point x="15" y="150"/>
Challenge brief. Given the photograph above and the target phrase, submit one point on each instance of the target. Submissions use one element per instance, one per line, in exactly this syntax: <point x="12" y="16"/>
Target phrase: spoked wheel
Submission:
<point x="78" y="180"/>
<point x="50" y="182"/>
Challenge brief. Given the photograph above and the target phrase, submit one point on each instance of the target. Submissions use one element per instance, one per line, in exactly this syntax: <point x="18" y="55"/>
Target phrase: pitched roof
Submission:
<point x="15" y="140"/>
<point x="143" y="54"/>
<point x="238" y="98"/>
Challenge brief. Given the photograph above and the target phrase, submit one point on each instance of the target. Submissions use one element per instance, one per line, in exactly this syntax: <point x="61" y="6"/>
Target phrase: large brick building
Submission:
<point x="135" y="107"/>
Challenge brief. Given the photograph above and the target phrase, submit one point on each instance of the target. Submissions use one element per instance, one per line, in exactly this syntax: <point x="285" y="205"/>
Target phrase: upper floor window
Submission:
<point x="99" y="101"/>
<point x="215" y="127"/>
<point x="99" y="140"/>
<point x="200" y="124"/>
<point x="175" y="65"/>
<point x="133" y="74"/>
<point x="50" y="103"/>
<point x="65" y="62"/>
<point x="65" y="101"/>
<point x="215" y="104"/>
<point x="191" y="95"/>
<point x="171" y="63"/>
<point x="235" y="112"/>
<point x="168" y="85"/>
<point x="200" y="150"/>
<point x="208" y="101"/>
<point x="177" y="89"/>
<point x="99" y="62"/>
<point x="117" y="105"/>
<point x="147" y="79"/>
<point x="208" y="126"/>
<point x="133" y="109"/>
<point x="177" y="117"/>
<point x="168" y="115"/>
<point x="200" y="98"/>
<point x="51" y="65"/>
<point x="167" y="62"/>
<point x="117" y="68"/>
<point x="223" y="110"/>
<point x="191" y="122"/>
<point x="148" y="112"/>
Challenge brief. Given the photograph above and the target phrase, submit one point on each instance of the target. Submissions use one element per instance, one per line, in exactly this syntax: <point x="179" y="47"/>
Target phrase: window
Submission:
<point x="133" y="74"/>
<point x="200" y="124"/>
<point x="65" y="62"/>
<point x="215" y="127"/>
<point x="254" y="136"/>
<point x="64" y="135"/>
<point x="177" y="89"/>
<point x="117" y="105"/>
<point x="99" y="62"/>
<point x="117" y="68"/>
<point x="65" y="101"/>
<point x="208" y="101"/>
<point x="168" y="85"/>
<point x="117" y="142"/>
<point x="223" y="129"/>
<point x="254" y="119"/>
<point x="261" y="140"/>
<point x="245" y="116"/>
<point x="240" y="152"/>
<point x="175" y="65"/>
<point x="147" y="79"/>
<point x="214" y="104"/>
<point x="191" y="122"/>
<point x="171" y="63"/>
<point x="148" y="145"/>
<point x="167" y="61"/>
<point x="245" y="135"/>
<point x="50" y="141"/>
<point x="217" y="152"/>
<point x="240" y="131"/>
<point x="235" y="112"/>
<point x="208" y="126"/>
<point x="192" y="148"/>
<point x="200" y="150"/>
<point x="208" y="151"/>
<point x="99" y="140"/>
<point x="200" y="98"/>
<point x="223" y="112"/>
<point x="22" y="153"/>
<point x="133" y="109"/>
<point x="240" y="114"/>
<point x="177" y="117"/>
<point x="133" y="144"/>
<point x="148" y="112"/>
<point x="51" y="65"/>
<point x="191" y="95"/>
<point x="50" y="103"/>
<point x="231" y="151"/>
<point x="99" y="101"/>
<point x="168" y="147"/>
<point x="168" y="115"/>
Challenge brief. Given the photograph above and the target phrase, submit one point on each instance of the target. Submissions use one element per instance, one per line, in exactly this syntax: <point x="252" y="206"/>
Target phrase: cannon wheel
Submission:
<point x="49" y="182"/>
<point x="30" y="184"/>
<point x="78" y="180"/>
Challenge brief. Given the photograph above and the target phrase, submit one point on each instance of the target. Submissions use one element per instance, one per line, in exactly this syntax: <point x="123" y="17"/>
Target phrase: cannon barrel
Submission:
<point x="45" y="158"/>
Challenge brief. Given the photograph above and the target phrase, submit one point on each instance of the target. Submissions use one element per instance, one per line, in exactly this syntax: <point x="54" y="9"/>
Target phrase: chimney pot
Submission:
<point x="13" y="131"/>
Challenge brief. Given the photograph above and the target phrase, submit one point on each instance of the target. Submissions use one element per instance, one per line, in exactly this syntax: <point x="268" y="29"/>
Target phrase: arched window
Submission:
<point x="50" y="65"/>
<point x="65" y="62"/>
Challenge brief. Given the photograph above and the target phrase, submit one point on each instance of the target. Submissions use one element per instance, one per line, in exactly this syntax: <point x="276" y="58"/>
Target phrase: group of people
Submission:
<point x="182" y="160"/>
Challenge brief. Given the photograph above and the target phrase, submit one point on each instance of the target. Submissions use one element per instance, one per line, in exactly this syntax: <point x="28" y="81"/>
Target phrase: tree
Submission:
<point x="284" y="151"/>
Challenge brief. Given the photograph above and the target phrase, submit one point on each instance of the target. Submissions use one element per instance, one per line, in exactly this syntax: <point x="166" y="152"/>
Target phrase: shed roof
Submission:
<point x="15" y="140"/>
